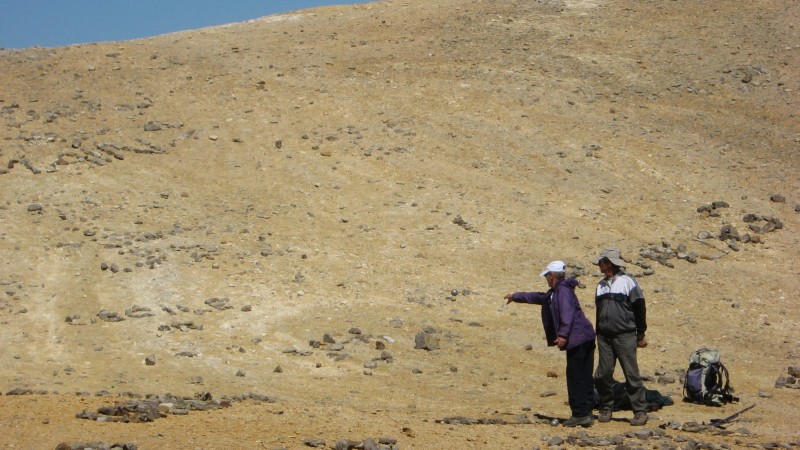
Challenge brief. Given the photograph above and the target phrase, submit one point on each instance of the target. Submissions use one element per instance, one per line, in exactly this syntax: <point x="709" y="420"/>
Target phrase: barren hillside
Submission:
<point x="274" y="214"/>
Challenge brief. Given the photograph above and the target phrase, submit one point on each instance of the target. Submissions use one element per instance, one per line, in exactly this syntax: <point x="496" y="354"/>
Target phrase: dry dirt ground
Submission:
<point x="235" y="193"/>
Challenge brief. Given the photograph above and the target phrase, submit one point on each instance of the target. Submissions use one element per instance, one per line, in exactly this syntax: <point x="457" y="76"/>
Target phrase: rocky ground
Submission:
<point x="297" y="231"/>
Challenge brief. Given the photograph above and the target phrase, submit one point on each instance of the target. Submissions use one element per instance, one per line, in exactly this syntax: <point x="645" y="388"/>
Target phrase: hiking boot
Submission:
<point x="604" y="415"/>
<point x="585" y="421"/>
<point x="639" y="419"/>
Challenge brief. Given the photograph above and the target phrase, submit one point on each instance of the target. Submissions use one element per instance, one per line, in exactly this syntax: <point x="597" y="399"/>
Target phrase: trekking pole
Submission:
<point x="720" y="422"/>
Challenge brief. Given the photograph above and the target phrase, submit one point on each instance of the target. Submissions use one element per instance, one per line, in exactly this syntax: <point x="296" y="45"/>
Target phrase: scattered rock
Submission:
<point x="220" y="304"/>
<point x="108" y="316"/>
<point x="426" y="341"/>
<point x="138" y="312"/>
<point x="153" y="408"/>
<point x="777" y="198"/>
<point x="95" y="446"/>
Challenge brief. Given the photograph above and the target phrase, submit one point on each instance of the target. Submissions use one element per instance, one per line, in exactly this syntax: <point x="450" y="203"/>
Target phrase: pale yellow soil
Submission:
<point x="348" y="167"/>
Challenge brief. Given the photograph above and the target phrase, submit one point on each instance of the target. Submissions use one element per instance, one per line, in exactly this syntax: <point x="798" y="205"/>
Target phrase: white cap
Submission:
<point x="555" y="266"/>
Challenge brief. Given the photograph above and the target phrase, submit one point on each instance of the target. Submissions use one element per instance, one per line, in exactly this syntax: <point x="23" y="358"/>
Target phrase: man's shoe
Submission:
<point x="585" y="421"/>
<point x="639" y="419"/>
<point x="604" y="416"/>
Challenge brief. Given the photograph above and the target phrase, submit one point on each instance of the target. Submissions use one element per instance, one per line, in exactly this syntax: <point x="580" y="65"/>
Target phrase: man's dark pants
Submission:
<point x="623" y="348"/>
<point x="580" y="384"/>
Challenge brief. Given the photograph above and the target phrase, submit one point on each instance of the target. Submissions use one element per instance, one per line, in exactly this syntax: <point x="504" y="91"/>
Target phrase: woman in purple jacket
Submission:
<point x="566" y="326"/>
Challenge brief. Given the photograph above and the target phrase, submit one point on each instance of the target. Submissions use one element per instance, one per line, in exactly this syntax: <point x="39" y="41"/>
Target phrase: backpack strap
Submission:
<point x="726" y="390"/>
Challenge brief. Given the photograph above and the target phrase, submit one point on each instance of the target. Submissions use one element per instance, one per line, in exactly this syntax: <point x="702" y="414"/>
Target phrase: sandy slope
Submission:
<point x="347" y="168"/>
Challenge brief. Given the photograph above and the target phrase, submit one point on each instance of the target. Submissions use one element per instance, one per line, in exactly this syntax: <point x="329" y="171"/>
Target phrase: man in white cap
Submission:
<point x="621" y="325"/>
<point x="566" y="326"/>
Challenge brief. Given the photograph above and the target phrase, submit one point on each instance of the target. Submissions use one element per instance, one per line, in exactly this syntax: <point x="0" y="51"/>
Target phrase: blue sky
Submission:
<point x="54" y="23"/>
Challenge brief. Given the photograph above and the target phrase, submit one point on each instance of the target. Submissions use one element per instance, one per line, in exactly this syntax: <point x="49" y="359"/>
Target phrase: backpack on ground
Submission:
<point x="707" y="380"/>
<point x="622" y="401"/>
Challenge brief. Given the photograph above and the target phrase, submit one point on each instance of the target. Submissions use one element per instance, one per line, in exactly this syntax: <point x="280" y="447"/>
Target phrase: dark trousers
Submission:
<point x="620" y="348"/>
<point x="580" y="384"/>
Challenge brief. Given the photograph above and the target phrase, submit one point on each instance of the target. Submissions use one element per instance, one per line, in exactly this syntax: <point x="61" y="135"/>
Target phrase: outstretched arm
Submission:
<point x="536" y="298"/>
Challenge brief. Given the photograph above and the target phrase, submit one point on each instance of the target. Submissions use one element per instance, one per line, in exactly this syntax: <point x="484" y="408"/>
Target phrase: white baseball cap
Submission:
<point x="555" y="266"/>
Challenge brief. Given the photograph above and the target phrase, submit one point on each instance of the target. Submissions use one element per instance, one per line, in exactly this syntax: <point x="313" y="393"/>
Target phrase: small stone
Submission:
<point x="426" y="341"/>
<point x="728" y="232"/>
<point x="777" y="198"/>
<point x="150" y="360"/>
<point x="34" y="207"/>
<point x="547" y="394"/>
<point x="345" y="444"/>
<point x="152" y="126"/>
<point x="692" y="427"/>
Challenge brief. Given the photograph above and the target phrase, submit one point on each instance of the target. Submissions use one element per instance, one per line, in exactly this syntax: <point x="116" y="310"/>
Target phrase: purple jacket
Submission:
<point x="562" y="315"/>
